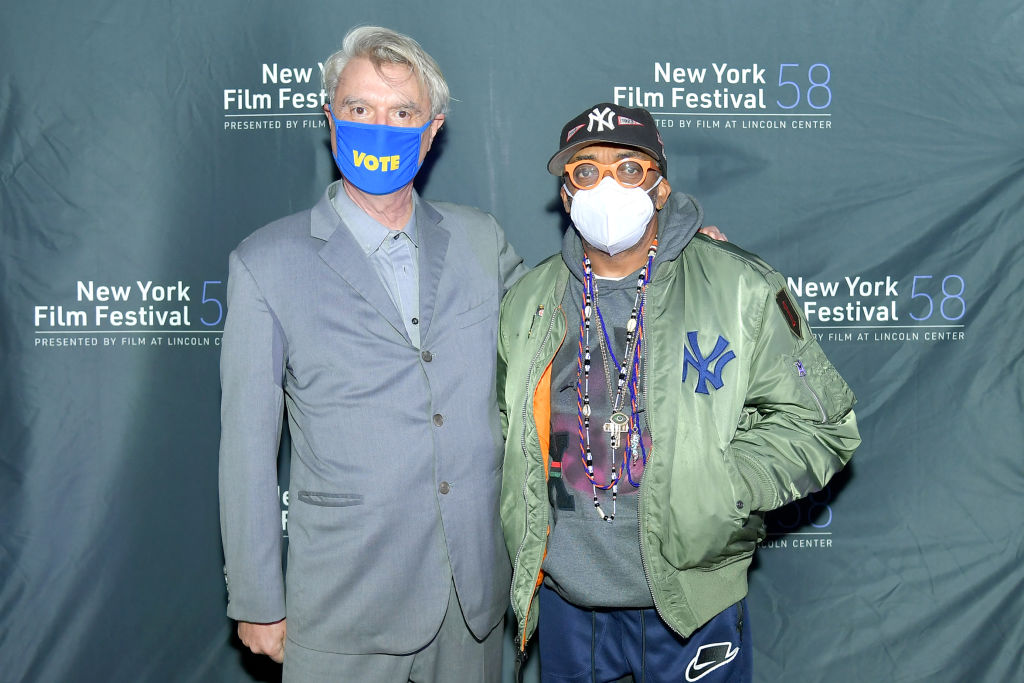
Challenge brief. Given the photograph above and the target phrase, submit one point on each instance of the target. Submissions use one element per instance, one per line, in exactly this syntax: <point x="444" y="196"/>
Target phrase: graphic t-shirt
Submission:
<point x="591" y="562"/>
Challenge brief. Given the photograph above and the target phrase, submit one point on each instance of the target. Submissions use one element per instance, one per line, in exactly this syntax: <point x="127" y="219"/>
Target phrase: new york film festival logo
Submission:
<point x="925" y="307"/>
<point x="166" y="314"/>
<point x="756" y="96"/>
<point x="273" y="96"/>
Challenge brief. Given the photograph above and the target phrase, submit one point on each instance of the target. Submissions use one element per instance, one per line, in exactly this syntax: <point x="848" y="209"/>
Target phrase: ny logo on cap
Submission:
<point x="603" y="119"/>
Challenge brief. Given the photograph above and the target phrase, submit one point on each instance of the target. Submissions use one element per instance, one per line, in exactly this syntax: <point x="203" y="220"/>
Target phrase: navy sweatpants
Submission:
<point x="579" y="645"/>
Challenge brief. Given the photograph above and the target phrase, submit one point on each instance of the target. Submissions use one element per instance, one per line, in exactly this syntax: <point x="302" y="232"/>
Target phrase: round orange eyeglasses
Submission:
<point x="628" y="172"/>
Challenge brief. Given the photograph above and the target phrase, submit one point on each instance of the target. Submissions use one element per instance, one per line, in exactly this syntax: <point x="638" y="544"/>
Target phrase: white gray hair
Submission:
<point x="384" y="46"/>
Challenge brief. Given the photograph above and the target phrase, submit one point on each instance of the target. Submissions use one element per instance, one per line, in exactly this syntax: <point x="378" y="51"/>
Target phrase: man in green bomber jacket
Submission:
<point x="660" y="392"/>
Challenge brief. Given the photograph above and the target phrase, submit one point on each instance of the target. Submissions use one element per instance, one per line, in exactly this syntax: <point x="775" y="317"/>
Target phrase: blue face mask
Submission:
<point x="375" y="158"/>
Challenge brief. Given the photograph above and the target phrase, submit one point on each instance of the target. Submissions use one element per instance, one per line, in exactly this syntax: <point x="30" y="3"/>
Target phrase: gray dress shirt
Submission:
<point x="393" y="255"/>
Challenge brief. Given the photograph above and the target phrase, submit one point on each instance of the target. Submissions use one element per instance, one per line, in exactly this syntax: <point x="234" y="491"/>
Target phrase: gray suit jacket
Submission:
<point x="396" y="451"/>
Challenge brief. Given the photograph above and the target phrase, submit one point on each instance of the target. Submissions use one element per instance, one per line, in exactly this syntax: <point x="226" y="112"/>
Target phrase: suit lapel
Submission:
<point x="433" y="250"/>
<point x="346" y="258"/>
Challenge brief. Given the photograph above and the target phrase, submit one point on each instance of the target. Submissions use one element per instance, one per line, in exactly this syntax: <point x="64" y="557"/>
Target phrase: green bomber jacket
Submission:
<point x="746" y="414"/>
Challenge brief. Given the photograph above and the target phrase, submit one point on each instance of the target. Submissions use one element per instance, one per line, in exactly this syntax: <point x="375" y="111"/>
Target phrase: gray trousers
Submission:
<point x="454" y="654"/>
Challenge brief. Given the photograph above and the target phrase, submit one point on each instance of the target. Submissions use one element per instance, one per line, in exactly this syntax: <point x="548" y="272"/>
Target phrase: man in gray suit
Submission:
<point x="370" y="320"/>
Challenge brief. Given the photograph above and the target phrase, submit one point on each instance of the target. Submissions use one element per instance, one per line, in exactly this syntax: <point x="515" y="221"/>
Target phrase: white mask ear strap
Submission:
<point x="660" y="178"/>
<point x="567" y="190"/>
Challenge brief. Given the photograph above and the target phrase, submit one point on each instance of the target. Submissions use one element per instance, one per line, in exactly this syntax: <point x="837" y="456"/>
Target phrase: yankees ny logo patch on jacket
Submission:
<point x="692" y="357"/>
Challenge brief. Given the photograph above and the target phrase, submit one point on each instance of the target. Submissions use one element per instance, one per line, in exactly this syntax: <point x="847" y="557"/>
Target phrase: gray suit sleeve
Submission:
<point x="252" y="363"/>
<point x="510" y="264"/>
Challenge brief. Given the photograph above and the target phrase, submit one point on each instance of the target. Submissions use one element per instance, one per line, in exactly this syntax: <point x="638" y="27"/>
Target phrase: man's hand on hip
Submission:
<point x="264" y="639"/>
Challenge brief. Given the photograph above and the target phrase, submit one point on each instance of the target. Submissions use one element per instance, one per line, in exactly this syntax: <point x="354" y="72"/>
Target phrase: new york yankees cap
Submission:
<point x="611" y="124"/>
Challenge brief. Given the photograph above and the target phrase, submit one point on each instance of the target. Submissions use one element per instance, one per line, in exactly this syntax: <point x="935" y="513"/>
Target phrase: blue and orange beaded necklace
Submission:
<point x="620" y="423"/>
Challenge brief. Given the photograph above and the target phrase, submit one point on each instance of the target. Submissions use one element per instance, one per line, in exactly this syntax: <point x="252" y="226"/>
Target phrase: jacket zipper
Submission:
<point x="640" y="493"/>
<point x="803" y="378"/>
<point x="521" y="637"/>
<point x="537" y="316"/>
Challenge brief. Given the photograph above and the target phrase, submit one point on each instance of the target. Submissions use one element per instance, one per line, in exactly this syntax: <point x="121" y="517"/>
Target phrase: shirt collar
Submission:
<point x="368" y="232"/>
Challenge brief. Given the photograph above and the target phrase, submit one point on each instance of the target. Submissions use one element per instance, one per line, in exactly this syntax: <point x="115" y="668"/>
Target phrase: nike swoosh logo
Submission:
<point x="697" y="670"/>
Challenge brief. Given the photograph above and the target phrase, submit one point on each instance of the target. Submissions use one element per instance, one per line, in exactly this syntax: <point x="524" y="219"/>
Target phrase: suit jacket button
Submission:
<point x="438" y="419"/>
<point x="427" y="356"/>
<point x="444" y="488"/>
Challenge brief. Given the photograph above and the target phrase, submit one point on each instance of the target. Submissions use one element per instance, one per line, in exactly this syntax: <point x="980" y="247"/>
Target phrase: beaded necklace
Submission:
<point x="620" y="423"/>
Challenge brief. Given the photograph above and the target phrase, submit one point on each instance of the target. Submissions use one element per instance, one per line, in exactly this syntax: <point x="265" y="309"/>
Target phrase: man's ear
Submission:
<point x="330" y="127"/>
<point x="566" y="199"/>
<point x="662" y="194"/>
<point x="435" y="126"/>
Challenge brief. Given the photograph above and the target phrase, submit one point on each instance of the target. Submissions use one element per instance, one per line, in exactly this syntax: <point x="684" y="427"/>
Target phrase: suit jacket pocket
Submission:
<point x="331" y="500"/>
<point x="484" y="310"/>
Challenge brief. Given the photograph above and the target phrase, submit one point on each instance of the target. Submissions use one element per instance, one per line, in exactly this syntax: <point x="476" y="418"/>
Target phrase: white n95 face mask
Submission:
<point x="611" y="217"/>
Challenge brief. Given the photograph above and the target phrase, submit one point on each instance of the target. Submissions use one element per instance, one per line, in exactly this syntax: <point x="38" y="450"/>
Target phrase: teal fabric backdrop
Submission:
<point x="872" y="151"/>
